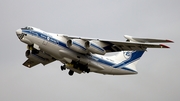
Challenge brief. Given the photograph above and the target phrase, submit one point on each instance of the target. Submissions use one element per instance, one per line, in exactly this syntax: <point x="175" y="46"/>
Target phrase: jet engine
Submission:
<point x="77" y="45"/>
<point x="95" y="47"/>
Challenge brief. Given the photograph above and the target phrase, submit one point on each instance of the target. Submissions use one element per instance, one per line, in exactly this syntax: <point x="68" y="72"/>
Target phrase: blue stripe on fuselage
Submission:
<point x="62" y="44"/>
<point x="134" y="56"/>
<point x="103" y="61"/>
<point x="46" y="37"/>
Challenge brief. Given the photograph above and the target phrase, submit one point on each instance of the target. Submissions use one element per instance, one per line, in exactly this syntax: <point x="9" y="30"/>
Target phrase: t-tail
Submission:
<point x="128" y="60"/>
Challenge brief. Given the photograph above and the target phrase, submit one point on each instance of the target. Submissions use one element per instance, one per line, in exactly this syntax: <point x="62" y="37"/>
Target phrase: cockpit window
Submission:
<point x="28" y="28"/>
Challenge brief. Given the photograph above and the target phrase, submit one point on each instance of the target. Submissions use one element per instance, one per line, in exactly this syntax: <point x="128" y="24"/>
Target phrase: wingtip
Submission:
<point x="164" y="46"/>
<point x="170" y="41"/>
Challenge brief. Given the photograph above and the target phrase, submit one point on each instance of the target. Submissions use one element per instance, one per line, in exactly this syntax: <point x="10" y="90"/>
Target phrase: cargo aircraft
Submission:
<point x="84" y="55"/>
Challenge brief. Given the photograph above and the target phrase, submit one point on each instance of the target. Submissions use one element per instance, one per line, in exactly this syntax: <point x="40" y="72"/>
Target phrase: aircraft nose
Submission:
<point x="19" y="31"/>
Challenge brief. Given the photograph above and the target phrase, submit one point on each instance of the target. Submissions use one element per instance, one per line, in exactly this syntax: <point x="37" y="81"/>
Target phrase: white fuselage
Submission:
<point x="56" y="46"/>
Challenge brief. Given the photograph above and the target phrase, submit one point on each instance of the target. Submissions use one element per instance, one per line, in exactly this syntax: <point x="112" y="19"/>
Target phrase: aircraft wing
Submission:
<point x="115" y="46"/>
<point x="35" y="59"/>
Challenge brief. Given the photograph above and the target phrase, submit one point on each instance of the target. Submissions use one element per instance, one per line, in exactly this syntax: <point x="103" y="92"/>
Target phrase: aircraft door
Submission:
<point x="45" y="42"/>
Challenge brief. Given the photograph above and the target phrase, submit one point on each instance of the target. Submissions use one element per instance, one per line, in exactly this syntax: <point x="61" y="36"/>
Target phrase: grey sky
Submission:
<point x="158" y="78"/>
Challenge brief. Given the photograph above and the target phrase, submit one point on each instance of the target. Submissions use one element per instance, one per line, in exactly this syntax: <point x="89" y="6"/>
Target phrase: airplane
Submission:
<point x="85" y="55"/>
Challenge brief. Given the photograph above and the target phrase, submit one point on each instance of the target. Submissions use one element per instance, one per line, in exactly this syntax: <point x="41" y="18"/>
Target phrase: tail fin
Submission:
<point x="128" y="60"/>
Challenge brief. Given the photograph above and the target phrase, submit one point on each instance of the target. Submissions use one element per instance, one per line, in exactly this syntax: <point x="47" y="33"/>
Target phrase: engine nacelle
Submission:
<point x="77" y="45"/>
<point x="95" y="47"/>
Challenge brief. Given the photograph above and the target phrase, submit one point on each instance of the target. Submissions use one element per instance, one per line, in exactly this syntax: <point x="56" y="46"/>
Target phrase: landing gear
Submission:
<point x="76" y="66"/>
<point x="30" y="47"/>
<point x="87" y="70"/>
<point x="63" y="67"/>
<point x="71" y="72"/>
<point x="35" y="51"/>
<point x="27" y="53"/>
<point x="30" y="50"/>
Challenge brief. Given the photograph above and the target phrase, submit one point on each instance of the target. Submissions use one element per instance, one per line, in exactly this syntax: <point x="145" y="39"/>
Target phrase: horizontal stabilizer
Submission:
<point x="30" y="63"/>
<point x="147" y="40"/>
<point x="35" y="59"/>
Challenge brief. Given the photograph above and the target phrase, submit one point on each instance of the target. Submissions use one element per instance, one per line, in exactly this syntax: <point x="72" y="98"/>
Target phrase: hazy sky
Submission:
<point x="158" y="77"/>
